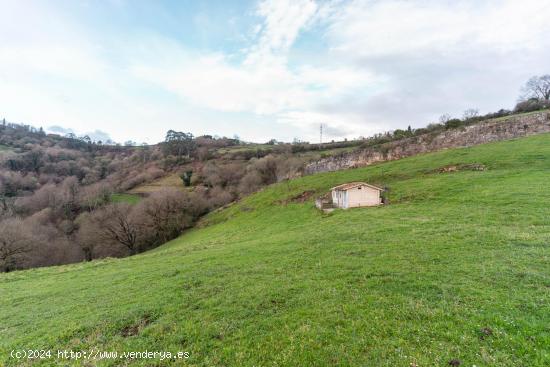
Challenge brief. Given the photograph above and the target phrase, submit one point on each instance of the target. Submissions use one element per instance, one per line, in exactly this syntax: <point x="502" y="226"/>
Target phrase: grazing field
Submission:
<point x="4" y="149"/>
<point x="170" y="181"/>
<point x="455" y="268"/>
<point x="244" y="148"/>
<point x="253" y="147"/>
<point x="125" y="198"/>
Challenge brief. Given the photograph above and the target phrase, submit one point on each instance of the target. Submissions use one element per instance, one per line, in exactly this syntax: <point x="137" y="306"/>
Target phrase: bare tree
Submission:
<point x="470" y="113"/>
<point x="94" y="196"/>
<point x="6" y="205"/>
<point x="116" y="223"/>
<point x="15" y="244"/>
<point x="537" y="87"/>
<point x="86" y="237"/>
<point x="250" y="182"/>
<point x="166" y="213"/>
<point x="444" y="118"/>
<point x="289" y="167"/>
<point x="267" y="168"/>
<point x="218" y="197"/>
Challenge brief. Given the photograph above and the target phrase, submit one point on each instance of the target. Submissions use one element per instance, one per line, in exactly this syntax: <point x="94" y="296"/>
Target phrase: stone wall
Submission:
<point x="484" y="132"/>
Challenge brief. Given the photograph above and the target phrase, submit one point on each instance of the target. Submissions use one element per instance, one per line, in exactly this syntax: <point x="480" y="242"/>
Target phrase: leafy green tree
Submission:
<point x="186" y="178"/>
<point x="179" y="143"/>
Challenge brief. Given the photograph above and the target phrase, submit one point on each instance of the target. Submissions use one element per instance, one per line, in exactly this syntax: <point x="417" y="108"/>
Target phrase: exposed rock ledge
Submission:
<point x="483" y="132"/>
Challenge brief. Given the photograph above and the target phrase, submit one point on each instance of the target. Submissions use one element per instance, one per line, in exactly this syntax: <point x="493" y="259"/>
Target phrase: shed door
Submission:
<point x="345" y="199"/>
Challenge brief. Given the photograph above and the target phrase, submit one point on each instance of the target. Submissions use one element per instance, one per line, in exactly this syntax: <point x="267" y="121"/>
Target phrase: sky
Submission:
<point x="133" y="69"/>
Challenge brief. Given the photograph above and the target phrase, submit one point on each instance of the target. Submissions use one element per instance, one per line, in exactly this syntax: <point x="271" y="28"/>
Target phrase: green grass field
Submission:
<point x="169" y="181"/>
<point x="244" y="148"/>
<point x="456" y="267"/>
<point x="125" y="198"/>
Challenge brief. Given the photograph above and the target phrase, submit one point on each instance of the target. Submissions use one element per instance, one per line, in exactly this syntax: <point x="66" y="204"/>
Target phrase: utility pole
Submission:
<point x="321" y="134"/>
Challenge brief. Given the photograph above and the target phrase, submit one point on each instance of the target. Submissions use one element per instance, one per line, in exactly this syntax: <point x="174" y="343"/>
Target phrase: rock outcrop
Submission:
<point x="484" y="132"/>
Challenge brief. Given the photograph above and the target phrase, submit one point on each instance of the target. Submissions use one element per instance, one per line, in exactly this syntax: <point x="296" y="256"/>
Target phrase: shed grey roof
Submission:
<point x="351" y="185"/>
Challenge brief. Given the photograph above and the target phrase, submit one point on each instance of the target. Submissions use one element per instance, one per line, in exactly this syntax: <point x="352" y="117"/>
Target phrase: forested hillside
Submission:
<point x="63" y="199"/>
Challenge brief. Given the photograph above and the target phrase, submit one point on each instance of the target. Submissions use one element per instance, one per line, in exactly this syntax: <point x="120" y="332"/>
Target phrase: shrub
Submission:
<point x="15" y="244"/>
<point x="218" y="197"/>
<point x="531" y="105"/>
<point x="165" y="214"/>
<point x="454" y="123"/>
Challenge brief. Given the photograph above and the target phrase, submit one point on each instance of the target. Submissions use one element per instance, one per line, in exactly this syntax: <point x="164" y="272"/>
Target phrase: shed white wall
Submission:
<point x="356" y="197"/>
<point x="340" y="198"/>
<point x="363" y="196"/>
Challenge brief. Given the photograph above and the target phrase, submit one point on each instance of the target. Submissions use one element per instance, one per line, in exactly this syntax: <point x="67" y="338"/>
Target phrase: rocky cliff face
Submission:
<point x="484" y="132"/>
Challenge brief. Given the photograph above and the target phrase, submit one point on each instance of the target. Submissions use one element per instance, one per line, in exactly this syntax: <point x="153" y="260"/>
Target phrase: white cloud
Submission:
<point x="261" y="84"/>
<point x="264" y="83"/>
<point x="283" y="21"/>
<point x="210" y="81"/>
<point x="440" y="56"/>
<point x="95" y="135"/>
<point x="45" y="43"/>
<point x="388" y="63"/>
<point x="397" y="27"/>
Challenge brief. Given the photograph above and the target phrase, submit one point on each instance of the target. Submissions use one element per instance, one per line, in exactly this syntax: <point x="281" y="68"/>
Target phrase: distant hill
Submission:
<point x="454" y="268"/>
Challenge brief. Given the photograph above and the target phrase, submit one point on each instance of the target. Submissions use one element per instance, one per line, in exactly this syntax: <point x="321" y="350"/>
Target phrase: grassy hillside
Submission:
<point x="456" y="267"/>
<point x="125" y="198"/>
<point x="170" y="181"/>
<point x="4" y="149"/>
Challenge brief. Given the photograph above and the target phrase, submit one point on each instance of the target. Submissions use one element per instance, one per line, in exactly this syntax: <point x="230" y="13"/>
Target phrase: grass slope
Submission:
<point x="456" y="267"/>
<point x="172" y="181"/>
<point x="125" y="198"/>
<point x="5" y="150"/>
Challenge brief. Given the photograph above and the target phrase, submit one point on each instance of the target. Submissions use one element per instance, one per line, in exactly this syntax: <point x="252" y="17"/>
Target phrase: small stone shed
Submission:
<point x="356" y="194"/>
